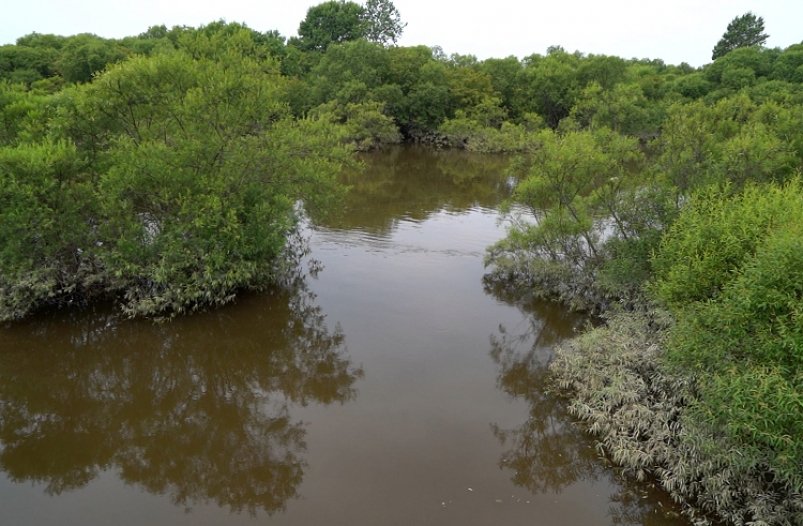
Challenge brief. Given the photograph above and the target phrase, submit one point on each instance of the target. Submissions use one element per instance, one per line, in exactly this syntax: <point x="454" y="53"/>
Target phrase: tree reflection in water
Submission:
<point x="198" y="408"/>
<point x="414" y="183"/>
<point x="547" y="453"/>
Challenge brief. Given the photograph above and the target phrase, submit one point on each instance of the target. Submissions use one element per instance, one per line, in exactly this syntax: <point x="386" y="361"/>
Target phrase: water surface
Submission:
<point x="391" y="389"/>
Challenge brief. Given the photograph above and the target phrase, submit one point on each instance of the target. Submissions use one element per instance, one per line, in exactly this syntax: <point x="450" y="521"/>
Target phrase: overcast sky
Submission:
<point x="673" y="30"/>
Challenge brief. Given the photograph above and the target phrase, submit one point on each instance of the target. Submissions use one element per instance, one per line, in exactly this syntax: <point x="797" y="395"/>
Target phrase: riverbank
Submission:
<point x="617" y="385"/>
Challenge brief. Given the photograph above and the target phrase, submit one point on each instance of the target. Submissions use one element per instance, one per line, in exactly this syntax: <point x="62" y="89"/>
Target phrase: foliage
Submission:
<point x="366" y="125"/>
<point x="714" y="236"/>
<point x="25" y="65"/>
<point x="789" y="65"/>
<point x="626" y="265"/>
<point x="734" y="141"/>
<point x="349" y="72"/>
<point x="743" y="31"/>
<point x="732" y="269"/>
<point x="84" y="55"/>
<point x="465" y="132"/>
<point x="421" y="88"/>
<point x="506" y="79"/>
<point x="46" y="207"/>
<point x="623" y="109"/>
<point x="382" y="22"/>
<point x="337" y="21"/>
<point x="329" y="23"/>
<point x="23" y="114"/>
<point x="551" y="85"/>
<point x="202" y="183"/>
<point x="643" y="414"/>
<point x="179" y="178"/>
<point x="582" y="191"/>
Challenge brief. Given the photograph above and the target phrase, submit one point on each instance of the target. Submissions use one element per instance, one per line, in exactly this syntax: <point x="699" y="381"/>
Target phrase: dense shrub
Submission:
<point x="175" y="183"/>
<point x="732" y="271"/>
<point x="646" y="418"/>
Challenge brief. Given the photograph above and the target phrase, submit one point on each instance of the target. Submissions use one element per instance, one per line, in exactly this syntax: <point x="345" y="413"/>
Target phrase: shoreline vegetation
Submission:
<point x="166" y="171"/>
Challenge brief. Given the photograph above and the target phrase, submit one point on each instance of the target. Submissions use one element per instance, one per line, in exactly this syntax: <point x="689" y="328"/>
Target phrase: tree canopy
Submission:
<point x="382" y="22"/>
<point x="329" y="23"/>
<point x="743" y="31"/>
<point x="169" y="181"/>
<point x="338" y="21"/>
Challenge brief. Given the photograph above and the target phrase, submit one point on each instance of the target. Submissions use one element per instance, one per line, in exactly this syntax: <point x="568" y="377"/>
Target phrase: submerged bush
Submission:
<point x="366" y="125"/>
<point x="645" y="416"/>
<point x="174" y="183"/>
<point x="590" y="208"/>
<point x="477" y="134"/>
<point x="46" y="214"/>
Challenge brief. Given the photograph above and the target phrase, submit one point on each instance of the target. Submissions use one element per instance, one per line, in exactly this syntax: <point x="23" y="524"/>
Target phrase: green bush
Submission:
<point x="651" y="422"/>
<point x="714" y="235"/>
<point x="176" y="182"/>
<point x="731" y="268"/>
<point x="46" y="212"/>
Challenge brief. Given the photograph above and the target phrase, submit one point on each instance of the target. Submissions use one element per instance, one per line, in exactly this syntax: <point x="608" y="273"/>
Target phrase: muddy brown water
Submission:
<point x="393" y="388"/>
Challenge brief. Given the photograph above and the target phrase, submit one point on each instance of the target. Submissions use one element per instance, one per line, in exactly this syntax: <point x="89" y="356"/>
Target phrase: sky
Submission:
<point x="672" y="30"/>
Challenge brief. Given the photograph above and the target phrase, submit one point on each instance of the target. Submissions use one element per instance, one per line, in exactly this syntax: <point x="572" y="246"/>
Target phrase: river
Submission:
<point x="390" y="388"/>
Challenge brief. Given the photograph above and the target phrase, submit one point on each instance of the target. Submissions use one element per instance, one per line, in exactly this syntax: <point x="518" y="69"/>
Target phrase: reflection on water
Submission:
<point x="411" y="183"/>
<point x="196" y="409"/>
<point x="547" y="453"/>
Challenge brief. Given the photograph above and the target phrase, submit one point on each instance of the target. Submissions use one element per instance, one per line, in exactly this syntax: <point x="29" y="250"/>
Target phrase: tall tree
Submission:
<point x="331" y="22"/>
<point x="743" y="31"/>
<point x="382" y="22"/>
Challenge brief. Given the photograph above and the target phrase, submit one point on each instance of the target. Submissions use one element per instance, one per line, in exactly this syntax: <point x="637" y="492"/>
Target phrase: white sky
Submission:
<point x="673" y="30"/>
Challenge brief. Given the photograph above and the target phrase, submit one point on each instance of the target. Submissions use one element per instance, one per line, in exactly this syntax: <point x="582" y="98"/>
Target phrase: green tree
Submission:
<point x="551" y="85"/>
<point x="623" y="109"/>
<point x="84" y="55"/>
<point x="26" y="65"/>
<point x="382" y="22"/>
<point x="23" y="114"/>
<point x="367" y="126"/>
<point x="789" y="65"/>
<point x="348" y="64"/>
<point x="205" y="166"/>
<point x="581" y="189"/>
<point x="329" y="23"/>
<point x="505" y="75"/>
<point x="692" y="86"/>
<point x="605" y="70"/>
<point x="743" y="31"/>
<point x="735" y="140"/>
